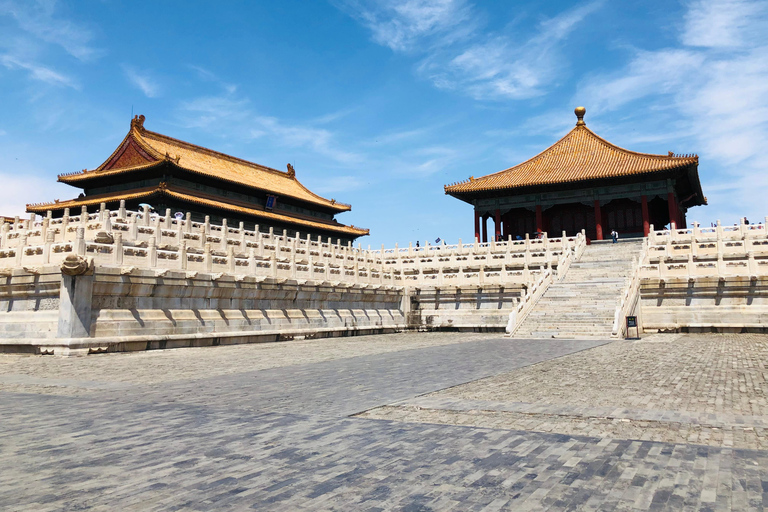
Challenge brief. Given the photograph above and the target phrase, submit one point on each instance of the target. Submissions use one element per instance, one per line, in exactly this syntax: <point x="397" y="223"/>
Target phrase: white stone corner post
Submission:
<point x="75" y="297"/>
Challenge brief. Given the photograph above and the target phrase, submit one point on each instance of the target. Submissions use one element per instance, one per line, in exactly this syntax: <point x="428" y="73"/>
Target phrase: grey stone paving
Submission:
<point x="279" y="439"/>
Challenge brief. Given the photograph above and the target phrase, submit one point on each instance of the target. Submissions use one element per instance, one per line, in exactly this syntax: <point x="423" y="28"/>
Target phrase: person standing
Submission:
<point x="615" y="236"/>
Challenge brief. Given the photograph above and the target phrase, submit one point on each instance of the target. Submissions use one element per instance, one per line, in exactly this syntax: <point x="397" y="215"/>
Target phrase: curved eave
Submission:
<point x="455" y="190"/>
<point x="76" y="179"/>
<point x="111" y="199"/>
<point x="696" y="199"/>
<point x="666" y="163"/>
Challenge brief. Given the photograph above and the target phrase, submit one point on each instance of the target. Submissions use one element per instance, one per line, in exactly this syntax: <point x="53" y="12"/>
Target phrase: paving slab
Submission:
<point x="282" y="438"/>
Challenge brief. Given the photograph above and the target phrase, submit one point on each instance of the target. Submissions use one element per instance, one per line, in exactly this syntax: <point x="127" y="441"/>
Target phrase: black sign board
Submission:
<point x="631" y="321"/>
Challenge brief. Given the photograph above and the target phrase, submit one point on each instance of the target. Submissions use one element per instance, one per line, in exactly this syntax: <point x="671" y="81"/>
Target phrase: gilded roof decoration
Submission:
<point x="579" y="156"/>
<point x="149" y="149"/>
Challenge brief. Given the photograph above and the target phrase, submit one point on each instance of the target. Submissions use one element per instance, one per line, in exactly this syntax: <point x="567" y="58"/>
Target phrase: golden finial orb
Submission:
<point x="580" y="111"/>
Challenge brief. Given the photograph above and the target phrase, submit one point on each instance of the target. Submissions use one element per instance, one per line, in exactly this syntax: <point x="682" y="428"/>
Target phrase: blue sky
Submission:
<point x="380" y="104"/>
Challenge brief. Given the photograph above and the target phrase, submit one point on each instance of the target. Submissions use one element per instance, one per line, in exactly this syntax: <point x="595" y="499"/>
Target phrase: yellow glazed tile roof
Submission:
<point x="196" y="198"/>
<point x="203" y="161"/>
<point x="580" y="155"/>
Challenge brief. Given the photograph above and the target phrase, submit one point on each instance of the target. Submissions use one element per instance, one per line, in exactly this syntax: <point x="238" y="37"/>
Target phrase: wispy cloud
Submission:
<point x="402" y="25"/>
<point x="38" y="71"/>
<point x="209" y="76"/>
<point x="724" y="23"/>
<point x="38" y="18"/>
<point x="457" y="57"/>
<point x="142" y="80"/>
<point x="234" y="115"/>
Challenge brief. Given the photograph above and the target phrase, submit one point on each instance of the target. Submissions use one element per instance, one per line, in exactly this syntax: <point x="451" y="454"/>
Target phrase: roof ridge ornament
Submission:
<point x="580" y="111"/>
<point x="138" y="122"/>
<point x="291" y="171"/>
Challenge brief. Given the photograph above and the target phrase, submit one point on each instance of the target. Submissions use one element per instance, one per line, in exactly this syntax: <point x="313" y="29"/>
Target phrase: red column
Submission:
<point x="673" y="213"/>
<point x="598" y="221"/>
<point x="498" y="225"/>
<point x="539" y="220"/>
<point x="485" y="229"/>
<point x="646" y="220"/>
<point x="477" y="225"/>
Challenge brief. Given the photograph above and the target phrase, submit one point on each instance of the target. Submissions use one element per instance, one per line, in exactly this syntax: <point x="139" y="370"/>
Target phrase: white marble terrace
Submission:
<point x="143" y="240"/>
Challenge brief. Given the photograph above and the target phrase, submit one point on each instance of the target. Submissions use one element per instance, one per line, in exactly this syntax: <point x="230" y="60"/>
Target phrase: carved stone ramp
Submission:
<point x="582" y="305"/>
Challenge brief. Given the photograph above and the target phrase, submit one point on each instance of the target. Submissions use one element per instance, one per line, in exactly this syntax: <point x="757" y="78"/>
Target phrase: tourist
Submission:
<point x="614" y="236"/>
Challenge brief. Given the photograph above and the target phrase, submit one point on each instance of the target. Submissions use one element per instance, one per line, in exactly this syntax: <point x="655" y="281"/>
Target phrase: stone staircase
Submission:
<point x="583" y="304"/>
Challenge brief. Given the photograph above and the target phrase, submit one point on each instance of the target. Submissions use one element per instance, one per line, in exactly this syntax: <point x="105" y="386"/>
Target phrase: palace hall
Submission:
<point x="167" y="173"/>
<point x="584" y="182"/>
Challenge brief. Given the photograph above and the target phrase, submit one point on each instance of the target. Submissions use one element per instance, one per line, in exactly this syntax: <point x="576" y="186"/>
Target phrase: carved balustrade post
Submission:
<point x="251" y="261"/>
<point x="662" y="267"/>
<point x="79" y="246"/>
<point x="224" y="234"/>
<point x="145" y="215"/>
<point x="273" y="265"/>
<point x="231" y="259"/>
<point x="203" y="237"/>
<point x="207" y="257"/>
<point x="183" y="261"/>
<point x="188" y="222"/>
<point x="121" y="210"/>
<point x="4" y="227"/>
<point x="207" y="225"/>
<point x="158" y="231"/>
<point x="64" y="225"/>
<point x="21" y="248"/>
<point x="152" y="253"/>
<point x="49" y="239"/>
<point x="751" y="264"/>
<point x="102" y="211"/>
<point x="117" y="255"/>
<point x="133" y="229"/>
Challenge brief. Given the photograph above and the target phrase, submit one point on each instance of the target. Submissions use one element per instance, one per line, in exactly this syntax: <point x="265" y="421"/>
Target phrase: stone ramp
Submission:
<point x="583" y="304"/>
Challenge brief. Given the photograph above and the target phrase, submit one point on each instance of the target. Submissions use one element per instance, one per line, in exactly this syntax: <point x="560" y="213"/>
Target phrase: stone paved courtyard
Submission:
<point x="438" y="421"/>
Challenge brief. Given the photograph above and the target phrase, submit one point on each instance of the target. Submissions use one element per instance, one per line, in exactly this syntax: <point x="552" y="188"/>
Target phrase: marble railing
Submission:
<point x="144" y="240"/>
<point x="708" y="242"/>
<point x="720" y="251"/>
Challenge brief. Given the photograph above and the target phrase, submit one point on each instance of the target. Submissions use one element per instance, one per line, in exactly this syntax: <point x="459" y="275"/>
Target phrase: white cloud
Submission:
<point x="232" y="115"/>
<point x="37" y="17"/>
<point x="456" y="57"/>
<point x="724" y="23"/>
<point x="403" y="25"/>
<point x="142" y="81"/>
<point x="38" y="71"/>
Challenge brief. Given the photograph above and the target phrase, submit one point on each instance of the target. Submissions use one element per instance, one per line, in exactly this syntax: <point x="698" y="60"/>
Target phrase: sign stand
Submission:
<point x="632" y="324"/>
